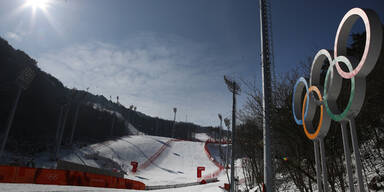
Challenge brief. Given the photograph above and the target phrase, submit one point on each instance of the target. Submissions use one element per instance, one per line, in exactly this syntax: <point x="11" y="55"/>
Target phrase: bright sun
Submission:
<point x="41" y="4"/>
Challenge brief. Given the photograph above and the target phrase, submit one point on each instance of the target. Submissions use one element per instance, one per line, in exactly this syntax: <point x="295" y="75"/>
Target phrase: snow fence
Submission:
<point x="14" y="174"/>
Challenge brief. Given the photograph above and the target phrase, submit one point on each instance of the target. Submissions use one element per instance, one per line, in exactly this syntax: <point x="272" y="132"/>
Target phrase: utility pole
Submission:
<point x="23" y="81"/>
<point x="266" y="59"/>
<point x="234" y="88"/>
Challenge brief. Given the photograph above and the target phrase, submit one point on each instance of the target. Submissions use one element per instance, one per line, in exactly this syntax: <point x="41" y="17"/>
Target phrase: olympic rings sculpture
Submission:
<point x="304" y="109"/>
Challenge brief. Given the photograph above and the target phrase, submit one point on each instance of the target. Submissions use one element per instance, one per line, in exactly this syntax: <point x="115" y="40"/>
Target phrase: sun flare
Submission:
<point x="38" y="9"/>
<point x="41" y="4"/>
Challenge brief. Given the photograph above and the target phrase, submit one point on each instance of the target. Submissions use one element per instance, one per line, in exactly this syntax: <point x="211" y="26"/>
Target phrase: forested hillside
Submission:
<point x="38" y="112"/>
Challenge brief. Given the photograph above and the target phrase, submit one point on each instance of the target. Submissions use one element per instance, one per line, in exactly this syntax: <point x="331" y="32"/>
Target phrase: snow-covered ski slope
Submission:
<point x="162" y="161"/>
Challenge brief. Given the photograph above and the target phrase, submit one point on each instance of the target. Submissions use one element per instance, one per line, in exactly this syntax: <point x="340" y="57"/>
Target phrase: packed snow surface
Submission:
<point x="210" y="187"/>
<point x="202" y="136"/>
<point x="176" y="163"/>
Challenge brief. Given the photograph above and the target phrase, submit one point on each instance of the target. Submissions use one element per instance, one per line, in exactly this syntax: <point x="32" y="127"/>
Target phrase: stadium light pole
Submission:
<point x="221" y="124"/>
<point x="23" y="81"/>
<point x="113" y="125"/>
<point x="10" y="120"/>
<point x="227" y="123"/>
<point x="74" y="124"/>
<point x="174" y="121"/>
<point x="234" y="88"/>
<point x="61" y="129"/>
<point x="76" y="117"/>
<point x="59" y="122"/>
<point x="62" y="125"/>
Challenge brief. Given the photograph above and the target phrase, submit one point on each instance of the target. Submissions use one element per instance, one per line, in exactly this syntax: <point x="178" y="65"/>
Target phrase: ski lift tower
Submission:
<point x="267" y="67"/>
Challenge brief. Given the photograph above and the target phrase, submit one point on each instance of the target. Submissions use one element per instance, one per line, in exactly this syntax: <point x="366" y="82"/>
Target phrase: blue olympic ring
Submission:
<point x="300" y="80"/>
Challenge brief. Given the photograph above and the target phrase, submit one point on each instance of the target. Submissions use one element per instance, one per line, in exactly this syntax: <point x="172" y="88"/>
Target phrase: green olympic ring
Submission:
<point x="345" y="113"/>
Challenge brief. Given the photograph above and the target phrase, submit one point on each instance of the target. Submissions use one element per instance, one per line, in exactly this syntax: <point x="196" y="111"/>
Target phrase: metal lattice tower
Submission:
<point x="266" y="32"/>
<point x="267" y="67"/>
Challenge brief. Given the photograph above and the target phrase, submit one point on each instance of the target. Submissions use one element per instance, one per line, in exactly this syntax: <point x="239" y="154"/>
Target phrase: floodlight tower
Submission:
<point x="221" y="123"/>
<point x="77" y="114"/>
<point x="267" y="67"/>
<point x="23" y="81"/>
<point x="234" y="88"/>
<point x="174" y="121"/>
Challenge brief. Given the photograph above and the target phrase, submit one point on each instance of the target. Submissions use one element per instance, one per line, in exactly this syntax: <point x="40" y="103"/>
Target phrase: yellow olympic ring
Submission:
<point x="313" y="136"/>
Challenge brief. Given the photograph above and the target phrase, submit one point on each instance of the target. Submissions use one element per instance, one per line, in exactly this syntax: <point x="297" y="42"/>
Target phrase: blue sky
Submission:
<point x="160" y="54"/>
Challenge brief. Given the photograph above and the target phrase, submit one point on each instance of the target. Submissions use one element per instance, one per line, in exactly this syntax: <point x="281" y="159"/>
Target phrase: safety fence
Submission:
<point x="216" y="141"/>
<point x="14" y="174"/>
<point x="150" y="160"/>
<point x="221" y="167"/>
<point x="67" y="165"/>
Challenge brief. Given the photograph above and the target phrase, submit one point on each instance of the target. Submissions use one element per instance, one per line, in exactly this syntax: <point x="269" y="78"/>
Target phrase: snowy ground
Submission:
<point x="202" y="136"/>
<point x="176" y="164"/>
<point x="211" y="187"/>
